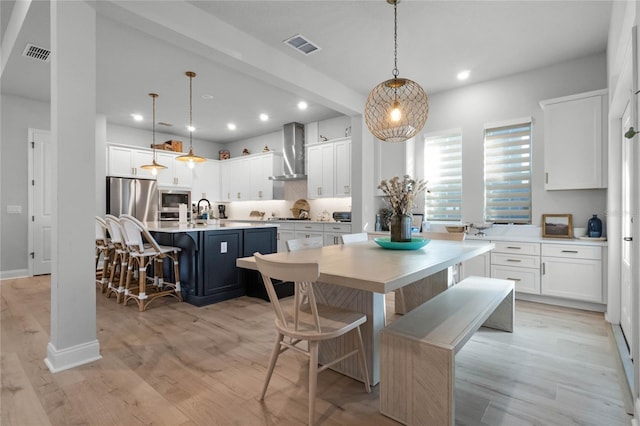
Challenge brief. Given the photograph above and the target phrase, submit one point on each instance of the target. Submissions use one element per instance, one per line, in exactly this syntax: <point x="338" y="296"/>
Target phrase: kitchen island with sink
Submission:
<point x="208" y="272"/>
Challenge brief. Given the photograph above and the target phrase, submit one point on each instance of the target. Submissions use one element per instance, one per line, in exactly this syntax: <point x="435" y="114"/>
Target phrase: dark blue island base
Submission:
<point x="208" y="272"/>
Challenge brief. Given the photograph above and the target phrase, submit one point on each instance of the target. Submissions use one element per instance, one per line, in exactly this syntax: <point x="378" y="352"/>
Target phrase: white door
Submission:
<point x="627" y="222"/>
<point x="41" y="200"/>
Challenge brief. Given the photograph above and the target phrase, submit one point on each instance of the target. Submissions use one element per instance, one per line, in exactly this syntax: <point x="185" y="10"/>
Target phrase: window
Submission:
<point x="443" y="171"/>
<point x="507" y="172"/>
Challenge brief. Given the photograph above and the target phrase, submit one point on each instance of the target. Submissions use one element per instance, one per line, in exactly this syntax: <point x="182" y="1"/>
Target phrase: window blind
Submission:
<point x="507" y="173"/>
<point x="443" y="171"/>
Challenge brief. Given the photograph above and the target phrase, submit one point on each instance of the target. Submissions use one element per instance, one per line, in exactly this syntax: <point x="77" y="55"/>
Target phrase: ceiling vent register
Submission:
<point x="36" y="52"/>
<point x="302" y="44"/>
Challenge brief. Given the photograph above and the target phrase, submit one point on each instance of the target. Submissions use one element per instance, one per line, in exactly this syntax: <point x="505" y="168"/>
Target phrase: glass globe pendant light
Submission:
<point x="396" y="109"/>
<point x="154" y="166"/>
<point x="191" y="159"/>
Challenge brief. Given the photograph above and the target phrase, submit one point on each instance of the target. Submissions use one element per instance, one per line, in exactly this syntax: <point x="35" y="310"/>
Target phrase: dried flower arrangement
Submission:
<point x="401" y="193"/>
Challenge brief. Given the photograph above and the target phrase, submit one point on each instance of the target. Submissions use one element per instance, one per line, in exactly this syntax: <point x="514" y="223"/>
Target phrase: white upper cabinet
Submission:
<point x="329" y="169"/>
<point x="261" y="166"/>
<point x="206" y="181"/>
<point x="575" y="135"/>
<point x="342" y="162"/>
<point x="126" y="161"/>
<point x="177" y="174"/>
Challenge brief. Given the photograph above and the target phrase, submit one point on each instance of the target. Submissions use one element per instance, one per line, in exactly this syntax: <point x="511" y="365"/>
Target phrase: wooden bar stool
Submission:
<point x="104" y="250"/>
<point x="308" y="321"/>
<point x="119" y="259"/>
<point x="135" y="233"/>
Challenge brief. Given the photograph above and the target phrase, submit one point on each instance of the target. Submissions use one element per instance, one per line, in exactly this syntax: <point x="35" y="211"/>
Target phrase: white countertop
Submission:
<point x="286" y="221"/>
<point x="524" y="239"/>
<point x="175" y="227"/>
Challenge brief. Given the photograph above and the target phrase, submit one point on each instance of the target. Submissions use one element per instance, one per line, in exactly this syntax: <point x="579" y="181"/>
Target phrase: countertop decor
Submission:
<point x="400" y="194"/>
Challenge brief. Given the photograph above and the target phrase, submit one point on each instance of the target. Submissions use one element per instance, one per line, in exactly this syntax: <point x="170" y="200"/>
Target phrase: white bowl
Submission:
<point x="579" y="232"/>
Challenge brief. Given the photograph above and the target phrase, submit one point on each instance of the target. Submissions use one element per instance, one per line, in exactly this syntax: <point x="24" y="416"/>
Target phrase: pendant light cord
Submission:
<point x="190" y="111"/>
<point x="395" y="40"/>
<point x="153" y="125"/>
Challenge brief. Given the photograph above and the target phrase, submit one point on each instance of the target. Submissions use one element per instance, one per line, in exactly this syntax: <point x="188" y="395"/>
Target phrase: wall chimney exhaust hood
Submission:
<point x="293" y="153"/>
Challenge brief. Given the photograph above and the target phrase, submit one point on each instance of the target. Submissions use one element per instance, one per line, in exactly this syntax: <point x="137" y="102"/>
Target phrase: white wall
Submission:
<point x="18" y="115"/>
<point x="471" y="106"/>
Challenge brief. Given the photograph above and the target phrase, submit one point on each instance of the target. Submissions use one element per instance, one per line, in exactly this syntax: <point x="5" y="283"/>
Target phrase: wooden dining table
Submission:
<point x="357" y="276"/>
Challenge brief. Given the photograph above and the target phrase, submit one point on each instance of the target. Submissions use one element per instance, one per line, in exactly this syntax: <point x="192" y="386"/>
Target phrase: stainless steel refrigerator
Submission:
<point x="137" y="197"/>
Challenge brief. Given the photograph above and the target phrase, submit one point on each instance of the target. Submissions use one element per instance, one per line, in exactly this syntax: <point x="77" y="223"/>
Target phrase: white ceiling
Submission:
<point x="136" y="54"/>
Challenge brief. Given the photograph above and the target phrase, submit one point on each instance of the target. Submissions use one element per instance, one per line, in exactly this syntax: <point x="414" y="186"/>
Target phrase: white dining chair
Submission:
<point x="354" y="238"/>
<point x="304" y="243"/>
<point x="308" y="321"/>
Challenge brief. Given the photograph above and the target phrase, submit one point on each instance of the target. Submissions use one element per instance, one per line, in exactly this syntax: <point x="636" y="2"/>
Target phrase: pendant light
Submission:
<point x="396" y="109"/>
<point x="154" y="166"/>
<point x="191" y="158"/>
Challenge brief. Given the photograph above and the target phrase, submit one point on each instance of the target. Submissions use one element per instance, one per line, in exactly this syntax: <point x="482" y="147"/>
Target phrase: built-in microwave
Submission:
<point x="170" y="200"/>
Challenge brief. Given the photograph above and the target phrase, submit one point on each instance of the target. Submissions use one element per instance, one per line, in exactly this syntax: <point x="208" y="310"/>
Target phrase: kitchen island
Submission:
<point x="208" y="272"/>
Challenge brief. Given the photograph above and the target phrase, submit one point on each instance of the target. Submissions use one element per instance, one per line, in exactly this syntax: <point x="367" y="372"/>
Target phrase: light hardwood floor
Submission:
<point x="176" y="364"/>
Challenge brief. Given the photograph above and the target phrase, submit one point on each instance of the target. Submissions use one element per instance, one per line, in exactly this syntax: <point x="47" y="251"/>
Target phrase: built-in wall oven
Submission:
<point x="170" y="200"/>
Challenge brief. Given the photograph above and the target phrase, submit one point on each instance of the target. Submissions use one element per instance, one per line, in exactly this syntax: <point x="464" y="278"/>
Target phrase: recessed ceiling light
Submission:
<point x="302" y="105"/>
<point x="463" y="75"/>
<point x="191" y="128"/>
<point x="231" y="126"/>
<point x="207" y="96"/>
<point x="264" y="117"/>
<point x="137" y="117"/>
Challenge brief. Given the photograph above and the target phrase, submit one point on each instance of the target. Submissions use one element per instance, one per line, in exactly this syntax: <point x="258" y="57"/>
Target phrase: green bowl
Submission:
<point x="414" y="244"/>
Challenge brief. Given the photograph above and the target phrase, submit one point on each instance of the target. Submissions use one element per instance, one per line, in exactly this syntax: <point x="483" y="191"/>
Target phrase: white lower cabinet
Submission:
<point x="330" y="233"/>
<point x="333" y="232"/>
<point x="572" y="272"/>
<point x="286" y="232"/>
<point x="519" y="262"/>
<point x="479" y="266"/>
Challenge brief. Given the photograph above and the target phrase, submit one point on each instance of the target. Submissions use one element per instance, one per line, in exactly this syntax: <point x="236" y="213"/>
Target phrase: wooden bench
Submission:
<point x="417" y="365"/>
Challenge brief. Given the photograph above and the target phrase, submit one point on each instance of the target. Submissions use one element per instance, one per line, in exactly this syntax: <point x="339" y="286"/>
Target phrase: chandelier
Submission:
<point x="396" y="109"/>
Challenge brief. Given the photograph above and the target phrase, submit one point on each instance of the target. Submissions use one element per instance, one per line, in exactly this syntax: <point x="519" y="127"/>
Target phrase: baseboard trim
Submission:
<point x="60" y="360"/>
<point x="576" y="304"/>
<point x="15" y="273"/>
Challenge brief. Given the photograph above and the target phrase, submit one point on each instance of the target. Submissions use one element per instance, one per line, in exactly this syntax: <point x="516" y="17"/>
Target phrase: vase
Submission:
<point x="594" y="227"/>
<point x="400" y="226"/>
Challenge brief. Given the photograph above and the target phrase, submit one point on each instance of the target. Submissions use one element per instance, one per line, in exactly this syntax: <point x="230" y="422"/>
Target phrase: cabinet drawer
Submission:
<point x="337" y="227"/>
<point x="517" y="247"/>
<point x="572" y="251"/>
<point x="286" y="226"/>
<point x="526" y="280"/>
<point x="315" y="227"/>
<point x="515" y="260"/>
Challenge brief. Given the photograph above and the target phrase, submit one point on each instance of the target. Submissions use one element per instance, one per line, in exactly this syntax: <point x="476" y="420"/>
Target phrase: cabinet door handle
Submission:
<point x="546" y="178"/>
<point x="569" y="251"/>
<point x="319" y="191"/>
<point x="514" y="279"/>
<point x="278" y="236"/>
<point x="543" y="268"/>
<point x="346" y="189"/>
<point x="514" y="248"/>
<point x="627" y="239"/>
<point x="259" y="194"/>
<point x="514" y="260"/>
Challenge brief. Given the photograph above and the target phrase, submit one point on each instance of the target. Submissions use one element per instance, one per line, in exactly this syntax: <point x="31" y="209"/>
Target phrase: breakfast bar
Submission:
<point x="356" y="277"/>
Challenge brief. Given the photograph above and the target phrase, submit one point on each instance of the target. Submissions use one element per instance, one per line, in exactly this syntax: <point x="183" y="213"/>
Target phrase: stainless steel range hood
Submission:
<point x="293" y="153"/>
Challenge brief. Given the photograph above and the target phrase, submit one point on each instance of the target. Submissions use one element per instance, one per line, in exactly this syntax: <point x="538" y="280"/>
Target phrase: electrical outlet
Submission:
<point x="14" y="209"/>
<point x="223" y="247"/>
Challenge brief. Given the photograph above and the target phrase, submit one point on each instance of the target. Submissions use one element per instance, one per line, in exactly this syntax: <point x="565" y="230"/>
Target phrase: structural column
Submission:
<point x="73" y="130"/>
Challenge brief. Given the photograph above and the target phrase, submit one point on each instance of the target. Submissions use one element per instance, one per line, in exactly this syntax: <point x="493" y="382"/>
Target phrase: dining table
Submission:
<point x="357" y="276"/>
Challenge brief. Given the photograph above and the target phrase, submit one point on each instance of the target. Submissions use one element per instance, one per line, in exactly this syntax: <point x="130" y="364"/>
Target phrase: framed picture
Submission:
<point x="416" y="223"/>
<point x="557" y="226"/>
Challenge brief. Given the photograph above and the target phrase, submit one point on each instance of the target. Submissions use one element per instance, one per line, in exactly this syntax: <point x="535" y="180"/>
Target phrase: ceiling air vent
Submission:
<point x="36" y="52"/>
<point x="301" y="44"/>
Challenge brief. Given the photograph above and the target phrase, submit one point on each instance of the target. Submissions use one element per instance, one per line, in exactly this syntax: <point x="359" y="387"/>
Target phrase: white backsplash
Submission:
<point x="293" y="190"/>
